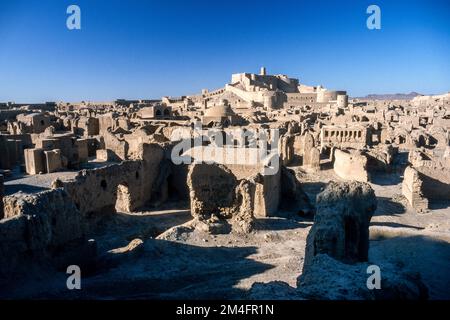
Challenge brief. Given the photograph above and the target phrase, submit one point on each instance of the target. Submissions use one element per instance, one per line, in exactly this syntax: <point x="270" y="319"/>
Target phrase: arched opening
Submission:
<point x="158" y="113"/>
<point x="172" y="192"/>
<point x="166" y="112"/>
<point x="351" y="238"/>
<point x="421" y="141"/>
<point x="123" y="201"/>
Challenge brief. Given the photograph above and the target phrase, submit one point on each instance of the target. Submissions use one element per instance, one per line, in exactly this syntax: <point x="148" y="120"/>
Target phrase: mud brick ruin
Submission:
<point x="76" y="176"/>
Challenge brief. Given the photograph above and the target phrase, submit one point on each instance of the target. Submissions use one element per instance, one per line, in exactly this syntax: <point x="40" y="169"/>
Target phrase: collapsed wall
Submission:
<point x="428" y="178"/>
<point x="215" y="190"/>
<point x="336" y="254"/>
<point x="119" y="147"/>
<point x="212" y="190"/>
<point x="341" y="222"/>
<point x="37" y="226"/>
<point x="337" y="246"/>
<point x="286" y="149"/>
<point x="380" y="159"/>
<point x="96" y="190"/>
<point x="131" y="181"/>
<point x="435" y="178"/>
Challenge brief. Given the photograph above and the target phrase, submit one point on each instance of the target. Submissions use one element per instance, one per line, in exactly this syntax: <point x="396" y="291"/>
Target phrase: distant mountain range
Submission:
<point x="391" y="96"/>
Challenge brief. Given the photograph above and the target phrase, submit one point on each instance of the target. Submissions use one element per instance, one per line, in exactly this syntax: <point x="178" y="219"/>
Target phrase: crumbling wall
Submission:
<point x="286" y="149"/>
<point x="380" y="159"/>
<point x="350" y="166"/>
<point x="117" y="146"/>
<point x="412" y="190"/>
<point x="36" y="227"/>
<point x="153" y="167"/>
<point x="337" y="248"/>
<point x="341" y="222"/>
<point x="267" y="197"/>
<point x="215" y="192"/>
<point x="105" y="122"/>
<point x="95" y="190"/>
<point x="243" y="217"/>
<point x="212" y="190"/>
<point x="434" y="171"/>
<point x="303" y="146"/>
<point x="311" y="158"/>
<point x="435" y="180"/>
<point x="88" y="126"/>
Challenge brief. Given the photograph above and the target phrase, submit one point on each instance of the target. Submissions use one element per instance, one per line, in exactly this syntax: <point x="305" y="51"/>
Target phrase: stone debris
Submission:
<point x="240" y="158"/>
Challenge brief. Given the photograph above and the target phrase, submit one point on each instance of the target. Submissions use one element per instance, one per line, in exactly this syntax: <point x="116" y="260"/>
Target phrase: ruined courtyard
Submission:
<point x="265" y="188"/>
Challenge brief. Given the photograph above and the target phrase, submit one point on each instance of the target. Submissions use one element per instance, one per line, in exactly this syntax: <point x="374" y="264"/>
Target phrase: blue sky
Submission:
<point x="148" y="49"/>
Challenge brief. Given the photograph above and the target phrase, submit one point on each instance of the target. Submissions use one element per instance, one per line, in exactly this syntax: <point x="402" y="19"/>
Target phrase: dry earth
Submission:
<point x="183" y="263"/>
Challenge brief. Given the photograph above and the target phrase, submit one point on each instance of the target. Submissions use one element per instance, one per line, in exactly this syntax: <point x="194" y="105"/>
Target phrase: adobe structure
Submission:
<point x="165" y="187"/>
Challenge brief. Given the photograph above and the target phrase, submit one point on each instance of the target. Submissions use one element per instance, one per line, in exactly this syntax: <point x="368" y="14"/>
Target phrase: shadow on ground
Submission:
<point x="395" y="225"/>
<point x="277" y="224"/>
<point x="438" y="204"/>
<point x="427" y="256"/>
<point x="25" y="188"/>
<point x="117" y="229"/>
<point x="387" y="207"/>
<point x="166" y="270"/>
<point x="386" y="179"/>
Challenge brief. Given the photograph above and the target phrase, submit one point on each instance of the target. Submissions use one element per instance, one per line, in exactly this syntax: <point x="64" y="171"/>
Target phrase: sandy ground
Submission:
<point x="197" y="265"/>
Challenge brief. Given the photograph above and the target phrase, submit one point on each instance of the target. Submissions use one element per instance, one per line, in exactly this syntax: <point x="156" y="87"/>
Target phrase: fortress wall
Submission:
<point x="247" y="96"/>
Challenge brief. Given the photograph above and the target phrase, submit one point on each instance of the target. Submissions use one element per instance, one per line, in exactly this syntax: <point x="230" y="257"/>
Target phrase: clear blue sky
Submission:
<point x="147" y="49"/>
